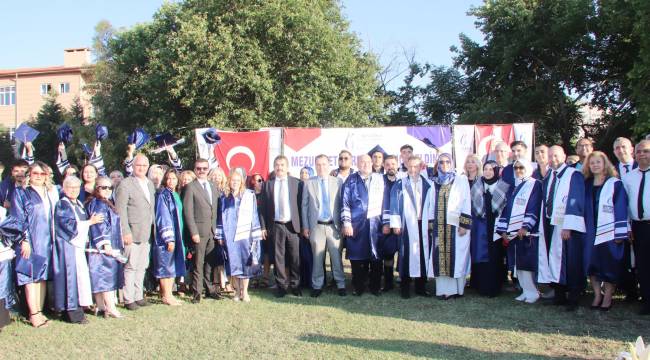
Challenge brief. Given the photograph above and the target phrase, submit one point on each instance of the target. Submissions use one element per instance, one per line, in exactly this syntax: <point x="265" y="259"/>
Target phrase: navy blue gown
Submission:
<point x="168" y="229"/>
<point x="106" y="273"/>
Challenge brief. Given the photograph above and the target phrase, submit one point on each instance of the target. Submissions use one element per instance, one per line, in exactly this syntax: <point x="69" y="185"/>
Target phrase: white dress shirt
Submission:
<point x="284" y="182"/>
<point x="631" y="182"/>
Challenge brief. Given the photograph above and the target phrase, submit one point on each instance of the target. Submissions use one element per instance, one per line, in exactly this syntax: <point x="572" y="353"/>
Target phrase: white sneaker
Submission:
<point x="532" y="298"/>
<point x="521" y="297"/>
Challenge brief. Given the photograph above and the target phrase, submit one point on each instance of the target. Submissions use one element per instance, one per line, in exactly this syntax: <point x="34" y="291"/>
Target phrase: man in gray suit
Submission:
<point x="321" y="217"/>
<point x="200" y="206"/>
<point x="135" y="203"/>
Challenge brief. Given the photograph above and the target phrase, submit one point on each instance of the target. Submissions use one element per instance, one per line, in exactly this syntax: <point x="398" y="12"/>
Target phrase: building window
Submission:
<point x="64" y="88"/>
<point x="7" y="96"/>
<point x="46" y="88"/>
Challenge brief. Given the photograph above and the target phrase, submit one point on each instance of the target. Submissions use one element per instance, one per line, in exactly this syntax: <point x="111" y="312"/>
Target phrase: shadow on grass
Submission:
<point x="416" y="348"/>
<point x="500" y="313"/>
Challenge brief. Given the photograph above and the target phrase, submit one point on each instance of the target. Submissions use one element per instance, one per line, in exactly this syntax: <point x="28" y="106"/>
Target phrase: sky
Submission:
<point x="425" y="29"/>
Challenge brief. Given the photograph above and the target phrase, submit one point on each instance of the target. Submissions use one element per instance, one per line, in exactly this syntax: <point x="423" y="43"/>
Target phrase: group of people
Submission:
<point x="543" y="227"/>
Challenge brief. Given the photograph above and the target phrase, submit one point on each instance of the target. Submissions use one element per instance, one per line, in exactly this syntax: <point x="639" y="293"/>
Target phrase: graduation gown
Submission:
<point x="168" y="229"/>
<point x="106" y="273"/>
<point x="363" y="244"/>
<point x="522" y="253"/>
<point x="415" y="239"/>
<point x="243" y="249"/>
<point x="388" y="244"/>
<point x="11" y="233"/>
<point x="451" y="255"/>
<point x="37" y="216"/>
<point x="565" y="258"/>
<point x="71" y="273"/>
<point x="603" y="256"/>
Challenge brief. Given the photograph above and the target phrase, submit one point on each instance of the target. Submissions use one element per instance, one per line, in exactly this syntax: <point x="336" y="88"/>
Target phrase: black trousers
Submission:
<point x="641" y="232"/>
<point x="366" y="271"/>
<point x="75" y="316"/>
<point x="5" y="319"/>
<point x="204" y="272"/>
<point x="287" y="256"/>
<point x="628" y="284"/>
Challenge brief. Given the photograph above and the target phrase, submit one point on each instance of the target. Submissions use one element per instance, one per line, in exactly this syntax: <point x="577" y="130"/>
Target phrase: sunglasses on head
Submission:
<point x="103" y="187"/>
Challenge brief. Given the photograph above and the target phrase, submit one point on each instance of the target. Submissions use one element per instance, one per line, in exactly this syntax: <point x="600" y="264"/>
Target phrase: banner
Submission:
<point x="488" y="136"/>
<point x="302" y="145"/>
<point x="249" y="150"/>
<point x="463" y="144"/>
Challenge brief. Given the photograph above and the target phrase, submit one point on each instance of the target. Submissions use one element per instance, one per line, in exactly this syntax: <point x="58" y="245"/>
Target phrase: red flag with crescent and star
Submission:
<point x="249" y="150"/>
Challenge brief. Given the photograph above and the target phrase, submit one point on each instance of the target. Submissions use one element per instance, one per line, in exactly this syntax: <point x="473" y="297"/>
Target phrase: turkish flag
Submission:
<point x="488" y="136"/>
<point x="249" y="150"/>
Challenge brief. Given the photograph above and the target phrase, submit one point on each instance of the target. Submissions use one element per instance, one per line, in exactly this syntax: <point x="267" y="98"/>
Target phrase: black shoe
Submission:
<point x="316" y="293"/>
<point x="196" y="299"/>
<point x="357" y="293"/>
<point x="343" y="292"/>
<point x="215" y="296"/>
<point x="131" y="306"/>
<point x="423" y="293"/>
<point x="388" y="287"/>
<point x="280" y="292"/>
<point x="375" y="292"/>
<point x="83" y="321"/>
<point x="296" y="292"/>
<point x="142" y="303"/>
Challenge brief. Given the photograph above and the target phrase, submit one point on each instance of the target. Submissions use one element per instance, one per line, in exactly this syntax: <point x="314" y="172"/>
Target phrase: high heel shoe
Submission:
<point x="606" y="308"/>
<point x="597" y="306"/>
<point x="43" y="320"/>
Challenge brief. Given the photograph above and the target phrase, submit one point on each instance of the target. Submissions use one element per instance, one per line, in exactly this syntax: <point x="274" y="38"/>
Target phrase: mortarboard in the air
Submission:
<point x="138" y="137"/>
<point x="101" y="131"/>
<point x="64" y="133"/>
<point x="87" y="149"/>
<point x="377" y="149"/>
<point x="25" y="133"/>
<point x="211" y="136"/>
<point x="166" y="139"/>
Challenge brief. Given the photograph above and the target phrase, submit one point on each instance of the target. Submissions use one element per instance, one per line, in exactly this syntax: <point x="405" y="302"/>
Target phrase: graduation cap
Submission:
<point x="34" y="265"/>
<point x="166" y="139"/>
<point x="211" y="137"/>
<point x="377" y="149"/>
<point x="138" y="137"/>
<point x="429" y="143"/>
<point x="101" y="131"/>
<point x="25" y="133"/>
<point x="64" y="133"/>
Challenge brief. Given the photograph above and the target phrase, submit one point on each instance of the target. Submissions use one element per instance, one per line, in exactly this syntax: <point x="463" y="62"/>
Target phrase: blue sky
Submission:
<point x="37" y="31"/>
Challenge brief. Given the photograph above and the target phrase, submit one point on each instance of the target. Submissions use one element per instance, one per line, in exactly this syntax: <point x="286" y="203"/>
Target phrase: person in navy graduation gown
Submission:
<point x="89" y="176"/>
<point x="564" y="228"/>
<point x="34" y="206"/>
<point x="520" y="217"/>
<point x="106" y="272"/>
<point x="72" y="290"/>
<point x="168" y="252"/>
<point x="11" y="232"/>
<point x="486" y="253"/>
<point x="606" y="222"/>
<point x="362" y="230"/>
<point x="238" y="230"/>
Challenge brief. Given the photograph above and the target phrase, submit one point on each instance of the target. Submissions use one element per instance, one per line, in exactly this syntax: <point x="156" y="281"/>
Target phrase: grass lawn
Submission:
<point x="338" y="327"/>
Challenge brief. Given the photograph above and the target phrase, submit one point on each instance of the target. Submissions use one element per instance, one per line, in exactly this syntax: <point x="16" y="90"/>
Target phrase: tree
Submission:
<point x="236" y="64"/>
<point x="51" y="115"/>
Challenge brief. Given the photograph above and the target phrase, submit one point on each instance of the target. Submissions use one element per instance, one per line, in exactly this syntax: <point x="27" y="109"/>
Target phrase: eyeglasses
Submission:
<point x="102" y="187"/>
<point x="201" y="168"/>
<point x="37" y="173"/>
<point x="519" y="167"/>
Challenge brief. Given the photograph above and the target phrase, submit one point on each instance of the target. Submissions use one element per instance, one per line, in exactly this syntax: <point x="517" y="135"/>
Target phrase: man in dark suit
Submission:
<point x="200" y="206"/>
<point x="280" y="221"/>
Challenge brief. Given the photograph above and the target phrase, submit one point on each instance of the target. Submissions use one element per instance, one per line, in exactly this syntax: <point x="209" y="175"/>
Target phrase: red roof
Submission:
<point x="41" y="70"/>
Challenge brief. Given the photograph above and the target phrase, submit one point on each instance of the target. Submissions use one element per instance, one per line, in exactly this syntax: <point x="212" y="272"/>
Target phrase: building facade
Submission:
<point x="24" y="91"/>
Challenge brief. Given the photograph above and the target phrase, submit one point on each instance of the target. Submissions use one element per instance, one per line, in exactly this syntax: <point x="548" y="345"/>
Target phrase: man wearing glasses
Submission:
<point x="345" y="166"/>
<point x="135" y="203"/>
<point x="200" y="205"/>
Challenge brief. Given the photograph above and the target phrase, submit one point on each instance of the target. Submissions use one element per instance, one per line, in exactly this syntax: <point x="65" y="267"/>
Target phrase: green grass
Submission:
<point x="334" y="327"/>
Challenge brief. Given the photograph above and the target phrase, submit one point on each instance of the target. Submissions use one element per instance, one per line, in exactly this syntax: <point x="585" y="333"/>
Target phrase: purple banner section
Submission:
<point x="438" y="135"/>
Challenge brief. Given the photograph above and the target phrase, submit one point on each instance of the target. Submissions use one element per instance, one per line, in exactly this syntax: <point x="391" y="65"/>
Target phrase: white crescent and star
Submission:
<point x="240" y="150"/>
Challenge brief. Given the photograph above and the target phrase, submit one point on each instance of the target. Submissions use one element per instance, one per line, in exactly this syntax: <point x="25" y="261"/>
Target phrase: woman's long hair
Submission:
<point x="95" y="194"/>
<point x="610" y="170"/>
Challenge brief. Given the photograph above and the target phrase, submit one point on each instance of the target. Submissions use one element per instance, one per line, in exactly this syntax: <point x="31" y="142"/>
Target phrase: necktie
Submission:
<point x="627" y="168"/>
<point x="206" y="187"/>
<point x="366" y="182"/>
<point x="325" y="201"/>
<point x="281" y="196"/>
<point x="551" y="196"/>
<point x="640" y="198"/>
